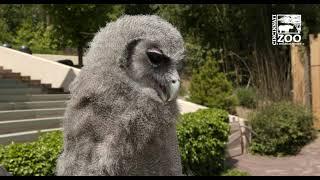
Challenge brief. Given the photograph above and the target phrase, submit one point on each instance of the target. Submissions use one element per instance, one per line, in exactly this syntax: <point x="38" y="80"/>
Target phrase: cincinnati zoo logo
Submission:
<point x="286" y="29"/>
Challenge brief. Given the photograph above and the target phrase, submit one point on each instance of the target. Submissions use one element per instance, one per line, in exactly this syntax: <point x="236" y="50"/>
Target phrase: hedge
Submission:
<point x="202" y="139"/>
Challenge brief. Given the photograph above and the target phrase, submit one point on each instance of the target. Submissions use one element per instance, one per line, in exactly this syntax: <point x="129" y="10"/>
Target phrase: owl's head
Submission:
<point x="149" y="63"/>
<point x="152" y="57"/>
<point x="145" y="49"/>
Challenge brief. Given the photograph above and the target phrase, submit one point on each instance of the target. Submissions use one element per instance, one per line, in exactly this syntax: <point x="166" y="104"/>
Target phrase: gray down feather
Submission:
<point x="115" y="123"/>
<point x="3" y="172"/>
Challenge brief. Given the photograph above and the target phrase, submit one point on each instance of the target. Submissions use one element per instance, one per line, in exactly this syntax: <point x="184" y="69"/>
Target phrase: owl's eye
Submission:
<point x="155" y="57"/>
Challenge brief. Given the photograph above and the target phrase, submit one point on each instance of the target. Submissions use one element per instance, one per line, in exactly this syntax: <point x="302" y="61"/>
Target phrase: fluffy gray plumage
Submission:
<point x="121" y="119"/>
<point x="3" y="172"/>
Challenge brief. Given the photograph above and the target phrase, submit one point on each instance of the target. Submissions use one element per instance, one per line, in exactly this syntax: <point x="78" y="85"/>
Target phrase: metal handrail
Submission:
<point x="241" y="135"/>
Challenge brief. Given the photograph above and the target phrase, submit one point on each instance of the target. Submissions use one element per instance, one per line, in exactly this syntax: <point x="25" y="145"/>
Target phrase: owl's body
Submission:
<point x="120" y="120"/>
<point x="3" y="172"/>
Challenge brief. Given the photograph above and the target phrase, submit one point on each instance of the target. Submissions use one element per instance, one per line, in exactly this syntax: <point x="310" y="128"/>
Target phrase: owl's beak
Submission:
<point x="169" y="91"/>
<point x="172" y="86"/>
<point x="173" y="89"/>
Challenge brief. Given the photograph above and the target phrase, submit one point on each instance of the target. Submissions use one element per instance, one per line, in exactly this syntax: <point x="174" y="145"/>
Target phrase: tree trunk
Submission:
<point x="80" y="54"/>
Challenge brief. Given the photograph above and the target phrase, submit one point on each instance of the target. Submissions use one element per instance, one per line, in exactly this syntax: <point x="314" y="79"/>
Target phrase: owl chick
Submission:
<point x="121" y="118"/>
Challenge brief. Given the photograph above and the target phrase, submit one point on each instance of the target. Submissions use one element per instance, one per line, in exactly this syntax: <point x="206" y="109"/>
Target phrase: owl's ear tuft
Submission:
<point x="124" y="60"/>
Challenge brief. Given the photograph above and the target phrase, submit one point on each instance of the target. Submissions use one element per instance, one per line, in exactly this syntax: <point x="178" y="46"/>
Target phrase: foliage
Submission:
<point x="138" y="9"/>
<point x="32" y="159"/>
<point x="211" y="88"/>
<point x="85" y="17"/>
<point x="234" y="172"/>
<point x="281" y="128"/>
<point x="243" y="33"/>
<point x="197" y="55"/>
<point x="38" y="37"/>
<point x="15" y="14"/>
<point x="183" y="91"/>
<point x="202" y="139"/>
<point x="77" y="23"/>
<point x="5" y="36"/>
<point x="25" y="35"/>
<point x="247" y="97"/>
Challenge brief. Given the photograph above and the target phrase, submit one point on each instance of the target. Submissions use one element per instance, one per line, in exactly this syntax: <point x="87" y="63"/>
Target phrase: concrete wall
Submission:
<point x="56" y="74"/>
<point x="55" y="57"/>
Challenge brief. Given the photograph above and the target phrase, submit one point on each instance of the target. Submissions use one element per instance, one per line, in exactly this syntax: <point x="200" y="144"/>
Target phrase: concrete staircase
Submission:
<point x="27" y="106"/>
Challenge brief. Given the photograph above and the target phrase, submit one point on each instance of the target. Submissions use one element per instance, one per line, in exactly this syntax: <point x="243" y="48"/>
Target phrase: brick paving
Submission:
<point x="306" y="163"/>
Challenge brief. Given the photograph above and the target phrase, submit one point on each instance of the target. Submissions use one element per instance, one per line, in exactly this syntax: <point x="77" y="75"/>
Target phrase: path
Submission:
<point x="306" y="163"/>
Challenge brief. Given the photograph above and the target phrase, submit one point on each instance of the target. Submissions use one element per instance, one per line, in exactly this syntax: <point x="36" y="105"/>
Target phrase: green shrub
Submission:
<point x="195" y="58"/>
<point x="38" y="37"/>
<point x="202" y="139"/>
<point x="210" y="88"/>
<point x="234" y="172"/>
<point x="5" y="35"/>
<point x="183" y="91"/>
<point x="281" y="129"/>
<point x="247" y="97"/>
<point x="32" y="159"/>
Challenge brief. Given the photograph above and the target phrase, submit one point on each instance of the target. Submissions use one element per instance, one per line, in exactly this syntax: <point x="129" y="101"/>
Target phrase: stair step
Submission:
<point x="30" y="113"/>
<point x="54" y="91"/>
<point x="9" y="72"/>
<point x="14" y="126"/>
<point x="13" y="85"/>
<point x="4" y="91"/>
<point x="39" y="97"/>
<point x="45" y="86"/>
<point x="32" y="82"/>
<point x="9" y="81"/>
<point x="10" y="75"/>
<point x="32" y="105"/>
<point x="24" y="136"/>
<point x="3" y="71"/>
<point x="25" y="78"/>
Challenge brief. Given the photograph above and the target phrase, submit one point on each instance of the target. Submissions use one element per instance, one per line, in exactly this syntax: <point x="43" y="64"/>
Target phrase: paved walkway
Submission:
<point x="306" y="163"/>
<point x="186" y="107"/>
